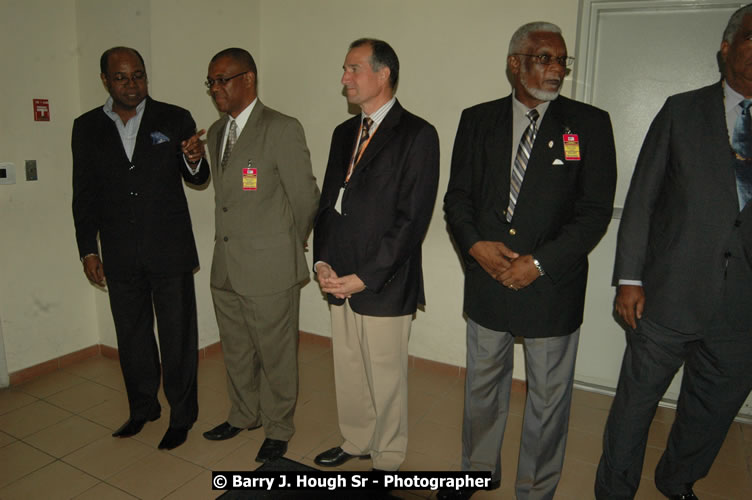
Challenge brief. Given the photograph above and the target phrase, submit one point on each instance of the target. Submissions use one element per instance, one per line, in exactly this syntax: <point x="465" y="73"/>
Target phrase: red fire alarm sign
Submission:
<point x="41" y="110"/>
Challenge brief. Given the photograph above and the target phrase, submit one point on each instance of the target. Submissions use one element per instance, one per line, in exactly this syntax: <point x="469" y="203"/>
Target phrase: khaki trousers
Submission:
<point x="370" y="374"/>
<point x="260" y="345"/>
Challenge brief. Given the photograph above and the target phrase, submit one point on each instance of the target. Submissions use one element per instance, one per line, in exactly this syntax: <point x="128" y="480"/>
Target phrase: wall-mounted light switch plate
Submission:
<point x="31" y="170"/>
<point x="7" y="173"/>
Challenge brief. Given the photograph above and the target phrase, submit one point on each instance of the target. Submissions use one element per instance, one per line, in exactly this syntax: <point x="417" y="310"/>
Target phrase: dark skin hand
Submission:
<point x="193" y="148"/>
<point x="520" y="273"/>
<point x="493" y="256"/>
<point x="629" y="304"/>
<point x="93" y="269"/>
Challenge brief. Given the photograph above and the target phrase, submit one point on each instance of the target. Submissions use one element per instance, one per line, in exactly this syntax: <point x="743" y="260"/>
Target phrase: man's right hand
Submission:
<point x="630" y="302"/>
<point x="93" y="269"/>
<point x="493" y="256"/>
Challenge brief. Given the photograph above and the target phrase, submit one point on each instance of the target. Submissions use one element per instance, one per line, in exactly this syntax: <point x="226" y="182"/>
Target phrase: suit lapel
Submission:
<point x="145" y="128"/>
<point x="713" y="115"/>
<point x="498" y="148"/>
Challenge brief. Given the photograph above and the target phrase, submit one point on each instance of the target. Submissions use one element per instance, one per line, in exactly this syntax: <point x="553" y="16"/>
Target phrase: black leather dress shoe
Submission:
<point x="271" y="449"/>
<point x="225" y="431"/>
<point x="335" y="456"/>
<point x="689" y="495"/>
<point x="464" y="493"/>
<point x="132" y="426"/>
<point x="173" y="438"/>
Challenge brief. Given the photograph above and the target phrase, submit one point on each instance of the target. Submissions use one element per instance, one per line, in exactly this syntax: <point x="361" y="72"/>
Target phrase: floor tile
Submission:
<point x="104" y="491"/>
<point x="57" y="480"/>
<point x="50" y="384"/>
<point x="155" y="476"/>
<point x="107" y="456"/>
<point x="67" y="436"/>
<point x="111" y="414"/>
<point x="19" y="459"/>
<point x="12" y="399"/>
<point x="83" y="396"/>
<point x="6" y="439"/>
<point x="32" y="418"/>
<point x="200" y="451"/>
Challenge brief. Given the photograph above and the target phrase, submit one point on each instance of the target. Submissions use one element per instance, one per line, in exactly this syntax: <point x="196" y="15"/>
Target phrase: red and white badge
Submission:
<point x="250" y="179"/>
<point x="571" y="147"/>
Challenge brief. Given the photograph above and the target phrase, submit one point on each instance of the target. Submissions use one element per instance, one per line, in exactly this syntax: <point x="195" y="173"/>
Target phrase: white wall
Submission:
<point x="45" y="306"/>
<point x="452" y="56"/>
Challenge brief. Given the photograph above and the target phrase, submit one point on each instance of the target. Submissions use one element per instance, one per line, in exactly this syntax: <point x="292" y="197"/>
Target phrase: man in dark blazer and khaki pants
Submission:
<point x="684" y="275"/>
<point x="376" y="203"/>
<point x="530" y="194"/>
<point x="127" y="189"/>
<point x="266" y="197"/>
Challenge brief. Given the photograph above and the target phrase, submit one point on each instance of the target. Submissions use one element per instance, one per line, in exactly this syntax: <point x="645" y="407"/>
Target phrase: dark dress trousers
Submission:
<point x="683" y="235"/>
<point x="139" y="211"/>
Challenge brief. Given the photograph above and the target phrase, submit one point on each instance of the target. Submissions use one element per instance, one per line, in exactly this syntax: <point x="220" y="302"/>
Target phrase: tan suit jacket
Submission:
<point x="260" y="234"/>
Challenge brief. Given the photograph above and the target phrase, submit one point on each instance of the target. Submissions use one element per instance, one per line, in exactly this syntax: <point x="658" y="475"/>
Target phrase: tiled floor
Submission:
<point x="55" y="437"/>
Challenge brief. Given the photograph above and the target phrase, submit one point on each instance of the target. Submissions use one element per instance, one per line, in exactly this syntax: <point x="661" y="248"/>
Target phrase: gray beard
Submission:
<point x="541" y="95"/>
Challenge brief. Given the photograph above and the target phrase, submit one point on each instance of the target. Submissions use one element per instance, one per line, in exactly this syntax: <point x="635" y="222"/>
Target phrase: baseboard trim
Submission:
<point x="52" y="365"/>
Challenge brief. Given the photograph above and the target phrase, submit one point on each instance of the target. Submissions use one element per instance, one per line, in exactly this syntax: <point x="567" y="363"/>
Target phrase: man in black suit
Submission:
<point x="129" y="159"/>
<point x="684" y="275"/>
<point x="376" y="203"/>
<point x="530" y="194"/>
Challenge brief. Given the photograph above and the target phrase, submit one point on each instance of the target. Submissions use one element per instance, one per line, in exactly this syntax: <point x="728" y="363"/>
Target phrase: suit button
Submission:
<point x="737" y="223"/>
<point x="226" y="238"/>
<point x="224" y="209"/>
<point x="513" y="231"/>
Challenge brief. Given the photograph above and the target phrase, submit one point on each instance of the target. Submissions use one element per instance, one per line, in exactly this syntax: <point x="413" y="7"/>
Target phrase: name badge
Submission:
<point x="250" y="179"/>
<point x="571" y="147"/>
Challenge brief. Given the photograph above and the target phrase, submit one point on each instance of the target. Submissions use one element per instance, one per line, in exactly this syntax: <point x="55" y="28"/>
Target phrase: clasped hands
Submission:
<point x="509" y="268"/>
<point x="193" y="147"/>
<point x="341" y="287"/>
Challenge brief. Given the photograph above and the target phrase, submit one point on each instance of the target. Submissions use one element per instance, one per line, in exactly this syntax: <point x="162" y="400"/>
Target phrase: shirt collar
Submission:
<point x="242" y="118"/>
<point x="732" y="98"/>
<point x="379" y="115"/>
<point x="523" y="109"/>
<point x="107" y="108"/>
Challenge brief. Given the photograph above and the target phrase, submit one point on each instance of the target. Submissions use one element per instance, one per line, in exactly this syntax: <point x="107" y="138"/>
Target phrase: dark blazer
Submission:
<point x="562" y="211"/>
<point x="137" y="207"/>
<point x="260" y="234"/>
<point x="386" y="209"/>
<point x="681" y="232"/>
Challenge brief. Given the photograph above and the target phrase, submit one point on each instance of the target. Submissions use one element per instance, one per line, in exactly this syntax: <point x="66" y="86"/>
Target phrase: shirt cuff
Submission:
<point x="630" y="282"/>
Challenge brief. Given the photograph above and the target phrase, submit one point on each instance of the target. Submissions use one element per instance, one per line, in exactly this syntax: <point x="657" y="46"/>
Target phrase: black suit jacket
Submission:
<point x="563" y="210"/>
<point x="386" y="209"/>
<point x="682" y="232"/>
<point x="137" y="207"/>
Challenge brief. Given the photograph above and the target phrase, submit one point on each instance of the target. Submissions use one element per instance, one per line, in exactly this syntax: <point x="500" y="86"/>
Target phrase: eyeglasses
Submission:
<point x="547" y="59"/>
<point x="123" y="79"/>
<point x="221" y="81"/>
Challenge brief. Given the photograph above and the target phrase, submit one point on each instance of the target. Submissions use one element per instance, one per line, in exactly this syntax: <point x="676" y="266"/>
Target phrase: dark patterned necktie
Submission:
<point x="520" y="162"/>
<point x="741" y="142"/>
<point x="232" y="137"/>
<point x="364" y="134"/>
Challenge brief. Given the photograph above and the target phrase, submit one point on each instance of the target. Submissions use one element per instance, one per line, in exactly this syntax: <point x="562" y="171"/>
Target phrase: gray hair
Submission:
<point x="521" y="36"/>
<point x="735" y="22"/>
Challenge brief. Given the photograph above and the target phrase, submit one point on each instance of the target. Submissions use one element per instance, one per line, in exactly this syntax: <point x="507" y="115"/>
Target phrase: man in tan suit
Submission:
<point x="266" y="197"/>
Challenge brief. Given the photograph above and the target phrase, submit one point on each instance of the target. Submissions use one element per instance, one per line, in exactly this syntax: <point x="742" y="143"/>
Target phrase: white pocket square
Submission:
<point x="557" y="162"/>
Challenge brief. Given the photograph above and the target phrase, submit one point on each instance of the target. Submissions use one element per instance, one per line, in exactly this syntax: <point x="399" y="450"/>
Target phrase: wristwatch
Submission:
<point x="539" y="267"/>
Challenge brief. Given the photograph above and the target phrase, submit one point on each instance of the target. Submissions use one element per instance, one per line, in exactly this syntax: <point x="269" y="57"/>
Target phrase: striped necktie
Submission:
<point x="520" y="162"/>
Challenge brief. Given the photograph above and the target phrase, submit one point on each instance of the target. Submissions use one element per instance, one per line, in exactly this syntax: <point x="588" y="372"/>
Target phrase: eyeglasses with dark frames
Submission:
<point x="221" y="81"/>
<point x="547" y="59"/>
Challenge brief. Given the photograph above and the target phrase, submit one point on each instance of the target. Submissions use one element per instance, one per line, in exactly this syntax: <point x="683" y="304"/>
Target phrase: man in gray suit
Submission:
<point x="266" y="197"/>
<point x="684" y="275"/>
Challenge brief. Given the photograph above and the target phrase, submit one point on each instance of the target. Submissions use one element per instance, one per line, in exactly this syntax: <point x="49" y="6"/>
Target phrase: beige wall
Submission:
<point x="452" y="55"/>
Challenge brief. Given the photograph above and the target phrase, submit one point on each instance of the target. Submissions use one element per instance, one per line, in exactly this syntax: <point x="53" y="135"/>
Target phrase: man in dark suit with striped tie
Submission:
<point x="530" y="194"/>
